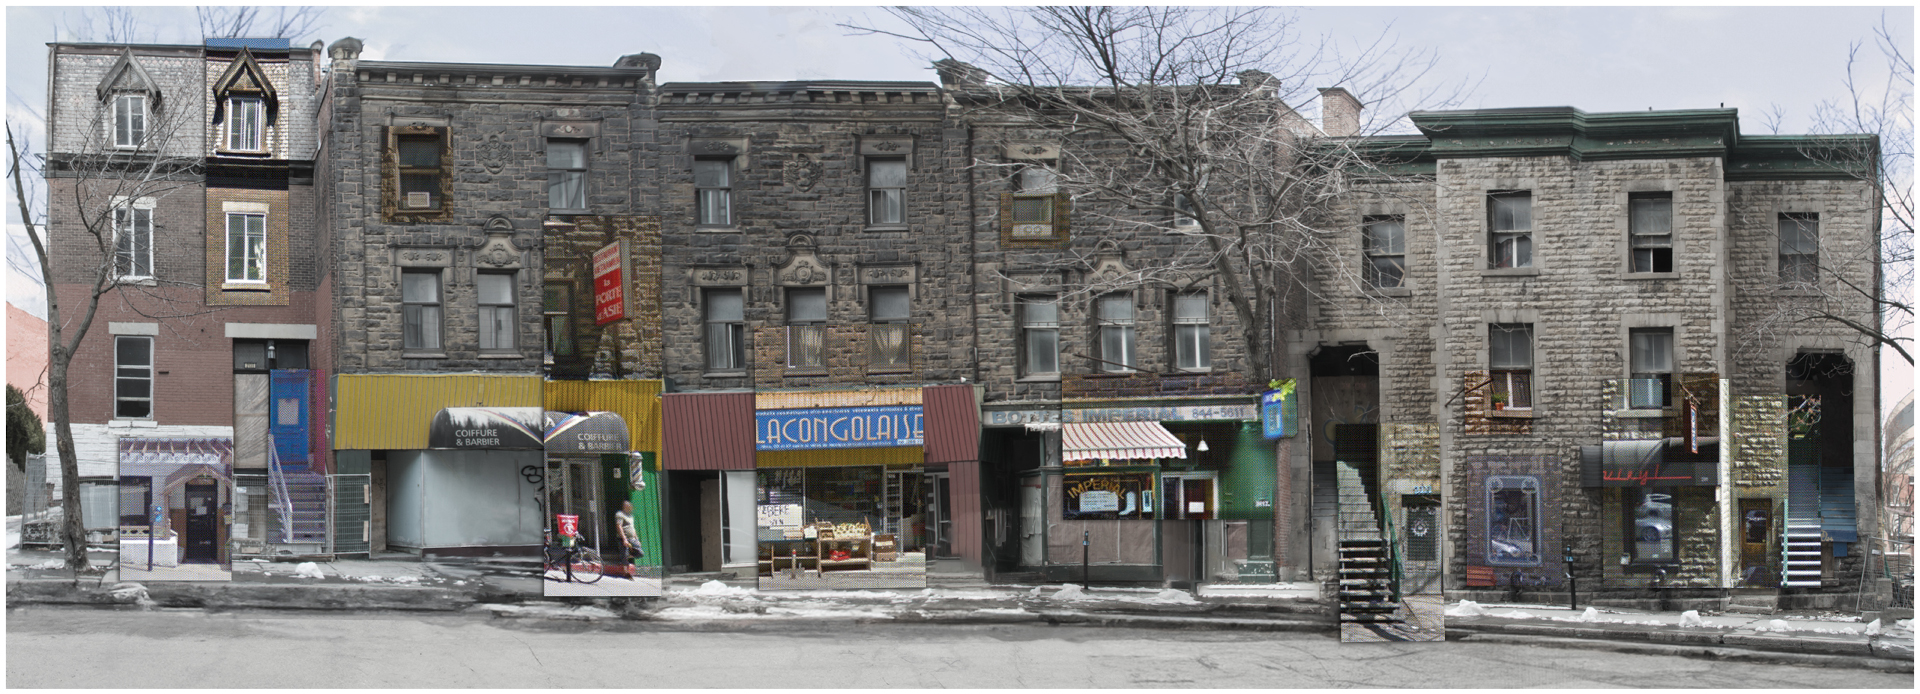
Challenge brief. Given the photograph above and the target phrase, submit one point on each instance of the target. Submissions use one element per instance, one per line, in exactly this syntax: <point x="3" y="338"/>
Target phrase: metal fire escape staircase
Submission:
<point x="299" y="502"/>
<point x="1802" y="539"/>
<point x="1369" y="589"/>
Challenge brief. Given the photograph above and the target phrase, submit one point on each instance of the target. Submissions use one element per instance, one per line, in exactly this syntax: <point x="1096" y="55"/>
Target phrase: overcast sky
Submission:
<point x="1592" y="58"/>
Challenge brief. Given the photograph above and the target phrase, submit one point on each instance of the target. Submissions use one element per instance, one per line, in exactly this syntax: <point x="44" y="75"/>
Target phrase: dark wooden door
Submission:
<point x="202" y="535"/>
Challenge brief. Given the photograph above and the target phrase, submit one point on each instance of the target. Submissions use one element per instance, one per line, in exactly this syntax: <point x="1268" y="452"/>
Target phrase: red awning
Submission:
<point x="1119" y="441"/>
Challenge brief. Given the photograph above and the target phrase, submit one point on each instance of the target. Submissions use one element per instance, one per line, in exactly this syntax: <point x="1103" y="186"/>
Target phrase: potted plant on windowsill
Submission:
<point x="1499" y="401"/>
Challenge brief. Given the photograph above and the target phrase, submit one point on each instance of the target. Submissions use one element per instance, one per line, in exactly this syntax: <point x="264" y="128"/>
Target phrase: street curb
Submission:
<point x="231" y="596"/>
<point x="1159" y="622"/>
<point x="1690" y="651"/>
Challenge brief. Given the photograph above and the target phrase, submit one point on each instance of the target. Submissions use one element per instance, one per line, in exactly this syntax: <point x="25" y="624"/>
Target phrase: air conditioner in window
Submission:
<point x="1032" y="230"/>
<point x="419" y="201"/>
<point x="1645" y="394"/>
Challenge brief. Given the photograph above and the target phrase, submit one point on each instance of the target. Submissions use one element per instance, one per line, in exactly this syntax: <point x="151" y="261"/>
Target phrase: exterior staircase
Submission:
<point x="1802" y="528"/>
<point x="300" y="518"/>
<point x="1366" y="590"/>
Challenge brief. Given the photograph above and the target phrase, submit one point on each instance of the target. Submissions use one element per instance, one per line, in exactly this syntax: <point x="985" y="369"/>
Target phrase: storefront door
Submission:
<point x="1033" y="521"/>
<point x="1756" y="535"/>
<point x="203" y="523"/>
<point x="939" y="519"/>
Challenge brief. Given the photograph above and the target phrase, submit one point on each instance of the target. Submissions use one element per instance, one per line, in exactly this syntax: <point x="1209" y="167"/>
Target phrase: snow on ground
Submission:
<point x="549" y="610"/>
<point x="308" y="569"/>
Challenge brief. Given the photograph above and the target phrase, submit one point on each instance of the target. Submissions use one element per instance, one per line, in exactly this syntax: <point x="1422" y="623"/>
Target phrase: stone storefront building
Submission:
<point x="194" y="167"/>
<point x="1590" y="329"/>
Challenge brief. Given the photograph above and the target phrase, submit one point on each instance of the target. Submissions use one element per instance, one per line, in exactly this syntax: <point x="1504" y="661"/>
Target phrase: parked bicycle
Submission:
<point x="573" y="558"/>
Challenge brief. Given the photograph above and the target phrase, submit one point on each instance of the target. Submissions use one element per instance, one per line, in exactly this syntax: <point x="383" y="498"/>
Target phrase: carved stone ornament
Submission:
<point x="719" y="276"/>
<point x="498" y="252"/>
<point x="802" y="172"/>
<point x="422" y="257"/>
<point x="1110" y="272"/>
<point x="1030" y="151"/>
<point x="891" y="274"/>
<point x="887" y="146"/>
<point x="803" y="267"/>
<point x="495" y="152"/>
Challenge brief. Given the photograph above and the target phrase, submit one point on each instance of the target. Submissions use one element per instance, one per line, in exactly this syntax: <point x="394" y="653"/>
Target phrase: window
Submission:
<point x="726" y="329"/>
<point x="246" y="123"/>
<point x="129" y="120"/>
<point x="1033" y="202"/>
<point x="133" y="377"/>
<point x="1510" y="217"/>
<point x="497" y="325"/>
<point x="886" y="192"/>
<point x="1039" y="335"/>
<point x="1650" y="228"/>
<point x="1799" y="248"/>
<point x="1384" y="242"/>
<point x="1183" y="212"/>
<point x="1651" y="526"/>
<point x="712" y="183"/>
<point x="246" y="247"/>
<point x="1113" y="314"/>
<point x="133" y="241"/>
<point x="1192" y="336"/>
<point x="419" y="158"/>
<point x="1510" y="352"/>
<point x="420" y="309"/>
<point x="890" y="308"/>
<point x="1652" y="363"/>
<point x="556" y="309"/>
<point x="1513" y="512"/>
<point x="806" y="328"/>
<point x="567" y="174"/>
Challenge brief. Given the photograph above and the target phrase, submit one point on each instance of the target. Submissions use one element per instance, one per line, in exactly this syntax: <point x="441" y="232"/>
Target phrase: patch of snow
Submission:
<point x="48" y="565"/>
<point x="575" y="611"/>
<point x="718" y="589"/>
<point x="308" y="569"/>
<point x="1171" y="596"/>
<point x="999" y="610"/>
<point x="1466" y="608"/>
<point x="1591" y="615"/>
<point x="1513" y="614"/>
<point x="1691" y="618"/>
<point x="1873" y="628"/>
<point x="1070" y="593"/>
<point x="1775" y="625"/>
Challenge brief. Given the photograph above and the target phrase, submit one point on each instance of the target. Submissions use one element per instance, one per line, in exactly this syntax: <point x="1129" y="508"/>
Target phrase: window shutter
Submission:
<point x="1062" y="210"/>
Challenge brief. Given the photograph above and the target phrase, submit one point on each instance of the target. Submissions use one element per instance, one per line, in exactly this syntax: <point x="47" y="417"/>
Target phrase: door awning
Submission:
<point x="586" y="432"/>
<point x="486" y="427"/>
<point x="1119" y="441"/>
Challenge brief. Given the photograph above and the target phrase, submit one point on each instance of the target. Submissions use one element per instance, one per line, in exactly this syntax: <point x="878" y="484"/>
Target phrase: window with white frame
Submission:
<point x="1650" y="228"/>
<point x="1799" y="248"/>
<point x="1383" y="241"/>
<point x="1183" y="211"/>
<point x="1113" y="316"/>
<point x="246" y="247"/>
<point x="713" y="192"/>
<point x="1039" y="335"/>
<point x="498" y="326"/>
<point x="1192" y="332"/>
<point x="1510" y="220"/>
<point x="806" y="327"/>
<point x="1033" y="201"/>
<point x="567" y="174"/>
<point x="890" y="308"/>
<point x="246" y="123"/>
<point x="133" y="240"/>
<point x="1510" y="356"/>
<point x="132" y="377"/>
<point x="420" y="309"/>
<point x="1651" y="357"/>
<point x="556" y="314"/>
<point x="886" y="191"/>
<point x="726" y="324"/>
<point x="129" y="120"/>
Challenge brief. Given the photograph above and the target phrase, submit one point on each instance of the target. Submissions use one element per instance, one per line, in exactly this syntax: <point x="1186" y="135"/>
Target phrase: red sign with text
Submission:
<point x="609" y="283"/>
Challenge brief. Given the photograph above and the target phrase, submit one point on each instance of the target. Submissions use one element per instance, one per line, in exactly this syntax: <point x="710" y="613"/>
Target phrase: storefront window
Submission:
<point x="1108" y="496"/>
<point x="1650" y="519"/>
<point x="1513" y="512"/>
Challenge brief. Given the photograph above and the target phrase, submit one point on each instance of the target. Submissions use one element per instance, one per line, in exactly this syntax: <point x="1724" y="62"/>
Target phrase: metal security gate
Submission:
<point x="350" y="514"/>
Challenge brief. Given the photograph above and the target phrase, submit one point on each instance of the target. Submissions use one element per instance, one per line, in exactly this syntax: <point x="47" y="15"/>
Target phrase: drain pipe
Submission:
<point x="1084" y="535"/>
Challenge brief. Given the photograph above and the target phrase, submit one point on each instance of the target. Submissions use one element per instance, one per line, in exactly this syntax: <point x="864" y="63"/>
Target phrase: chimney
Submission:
<point x="640" y="61"/>
<point x="954" y="73"/>
<point x="1255" y="79"/>
<point x="347" y="49"/>
<point x="1339" y="112"/>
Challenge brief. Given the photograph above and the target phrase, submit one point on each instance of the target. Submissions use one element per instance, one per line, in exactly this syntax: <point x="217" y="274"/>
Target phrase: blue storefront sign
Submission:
<point x="1278" y="411"/>
<point x="838" y="427"/>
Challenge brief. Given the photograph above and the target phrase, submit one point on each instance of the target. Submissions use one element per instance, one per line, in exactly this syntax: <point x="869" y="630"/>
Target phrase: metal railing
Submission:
<point x="1390" y="545"/>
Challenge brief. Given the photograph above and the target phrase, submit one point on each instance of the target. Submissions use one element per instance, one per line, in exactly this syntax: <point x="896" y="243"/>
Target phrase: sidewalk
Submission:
<point x="510" y="588"/>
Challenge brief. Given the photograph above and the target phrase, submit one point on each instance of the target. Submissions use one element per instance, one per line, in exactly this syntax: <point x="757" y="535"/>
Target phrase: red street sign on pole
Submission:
<point x="609" y="283"/>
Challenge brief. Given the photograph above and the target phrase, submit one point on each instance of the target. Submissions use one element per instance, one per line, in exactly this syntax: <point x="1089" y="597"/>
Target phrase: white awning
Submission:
<point x="1119" y="441"/>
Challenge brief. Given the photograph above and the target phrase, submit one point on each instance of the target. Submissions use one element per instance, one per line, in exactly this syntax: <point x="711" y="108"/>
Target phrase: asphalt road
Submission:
<point x="58" y="647"/>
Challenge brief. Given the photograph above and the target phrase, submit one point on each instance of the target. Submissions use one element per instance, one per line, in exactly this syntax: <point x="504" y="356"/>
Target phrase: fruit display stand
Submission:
<point x="782" y="555"/>
<point x="844" y="547"/>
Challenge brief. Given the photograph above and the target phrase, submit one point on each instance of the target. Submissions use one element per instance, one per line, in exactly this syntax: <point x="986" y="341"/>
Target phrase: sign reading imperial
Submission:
<point x="838" y="427"/>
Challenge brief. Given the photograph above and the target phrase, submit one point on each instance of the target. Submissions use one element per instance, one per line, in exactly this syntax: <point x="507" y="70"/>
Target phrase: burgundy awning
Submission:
<point x="706" y="431"/>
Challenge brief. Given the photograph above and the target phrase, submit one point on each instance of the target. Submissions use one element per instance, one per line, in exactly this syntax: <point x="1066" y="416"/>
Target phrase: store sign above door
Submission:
<point x="586" y="432"/>
<point x="487" y="427"/>
<point x="839" y="427"/>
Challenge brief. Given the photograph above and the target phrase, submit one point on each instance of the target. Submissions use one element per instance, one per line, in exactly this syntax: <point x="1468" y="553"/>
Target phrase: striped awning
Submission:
<point x="1119" y="441"/>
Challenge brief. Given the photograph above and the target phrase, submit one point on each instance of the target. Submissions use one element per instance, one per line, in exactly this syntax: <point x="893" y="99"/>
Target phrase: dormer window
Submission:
<point x="246" y="123"/>
<point x="129" y="98"/>
<point x="129" y="120"/>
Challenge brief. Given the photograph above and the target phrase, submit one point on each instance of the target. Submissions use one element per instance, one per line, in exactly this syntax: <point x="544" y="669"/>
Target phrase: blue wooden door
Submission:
<point x="288" y="417"/>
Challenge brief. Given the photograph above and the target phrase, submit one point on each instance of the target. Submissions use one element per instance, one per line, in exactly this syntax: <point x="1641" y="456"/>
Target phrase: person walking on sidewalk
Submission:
<point x="629" y="536"/>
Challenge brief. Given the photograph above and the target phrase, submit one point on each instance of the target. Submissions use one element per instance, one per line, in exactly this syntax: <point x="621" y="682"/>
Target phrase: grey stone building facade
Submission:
<point x="1591" y="331"/>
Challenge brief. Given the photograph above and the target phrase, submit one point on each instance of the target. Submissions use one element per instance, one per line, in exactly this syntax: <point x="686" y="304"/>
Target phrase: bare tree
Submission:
<point x="96" y="188"/>
<point x="232" y="22"/>
<point x="113" y="24"/>
<point x="1866" y="137"/>
<point x="1175" y="121"/>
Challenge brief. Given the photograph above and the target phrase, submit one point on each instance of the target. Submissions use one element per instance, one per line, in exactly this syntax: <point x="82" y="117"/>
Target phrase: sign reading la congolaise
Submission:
<point x="839" y="427"/>
<point x="609" y="283"/>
